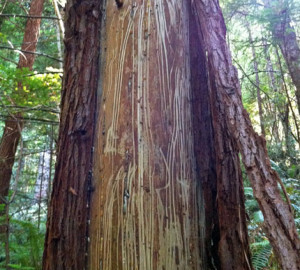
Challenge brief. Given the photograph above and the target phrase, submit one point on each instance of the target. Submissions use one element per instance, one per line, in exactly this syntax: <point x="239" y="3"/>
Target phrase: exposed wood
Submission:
<point x="150" y="187"/>
<point x="145" y="211"/>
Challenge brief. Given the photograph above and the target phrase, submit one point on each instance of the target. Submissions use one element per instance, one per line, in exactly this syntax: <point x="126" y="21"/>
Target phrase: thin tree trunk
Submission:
<point x="289" y="102"/>
<point x="269" y="67"/>
<point x="6" y="237"/>
<point x="257" y="81"/>
<point x="14" y="124"/>
<point x="279" y="221"/>
<point x="8" y="147"/>
<point x="60" y="19"/>
<point x="273" y="86"/>
<point x="5" y="228"/>
<point x="49" y="185"/>
<point x="286" y="128"/>
<point x="60" y="31"/>
<point x="41" y="177"/>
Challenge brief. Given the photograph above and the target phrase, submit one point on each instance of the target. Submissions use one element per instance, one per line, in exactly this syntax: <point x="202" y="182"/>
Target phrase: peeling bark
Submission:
<point x="279" y="222"/>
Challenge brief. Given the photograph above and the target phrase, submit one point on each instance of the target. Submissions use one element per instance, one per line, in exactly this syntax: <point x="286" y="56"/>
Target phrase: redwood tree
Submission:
<point x="148" y="173"/>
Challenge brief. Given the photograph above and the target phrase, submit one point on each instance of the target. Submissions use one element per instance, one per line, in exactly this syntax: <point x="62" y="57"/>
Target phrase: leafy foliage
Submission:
<point x="261" y="253"/>
<point x="26" y="245"/>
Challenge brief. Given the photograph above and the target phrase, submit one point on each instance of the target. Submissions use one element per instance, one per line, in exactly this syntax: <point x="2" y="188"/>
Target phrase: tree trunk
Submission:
<point x="151" y="177"/>
<point x="273" y="87"/>
<point x="166" y="183"/>
<point x="218" y="165"/>
<point x="68" y="214"/>
<point x="31" y="34"/>
<point x="279" y="222"/>
<point x="285" y="36"/>
<point x="8" y="147"/>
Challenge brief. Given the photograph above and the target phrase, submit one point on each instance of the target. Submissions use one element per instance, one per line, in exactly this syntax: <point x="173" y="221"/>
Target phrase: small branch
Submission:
<point x="36" y="108"/>
<point x="247" y="76"/>
<point x="8" y="60"/>
<point x="30" y="16"/>
<point x="36" y="53"/>
<point x="42" y="73"/>
<point x="32" y="120"/>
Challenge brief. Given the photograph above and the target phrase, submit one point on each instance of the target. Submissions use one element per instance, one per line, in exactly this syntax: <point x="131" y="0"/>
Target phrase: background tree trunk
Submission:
<point x="14" y="123"/>
<point x="8" y="147"/>
<point x="285" y="37"/>
<point x="257" y="80"/>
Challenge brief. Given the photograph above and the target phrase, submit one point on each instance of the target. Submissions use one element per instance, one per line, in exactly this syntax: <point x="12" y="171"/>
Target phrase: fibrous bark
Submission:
<point x="279" y="222"/>
<point x="226" y="242"/>
<point x="67" y="226"/>
<point x="31" y="35"/>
